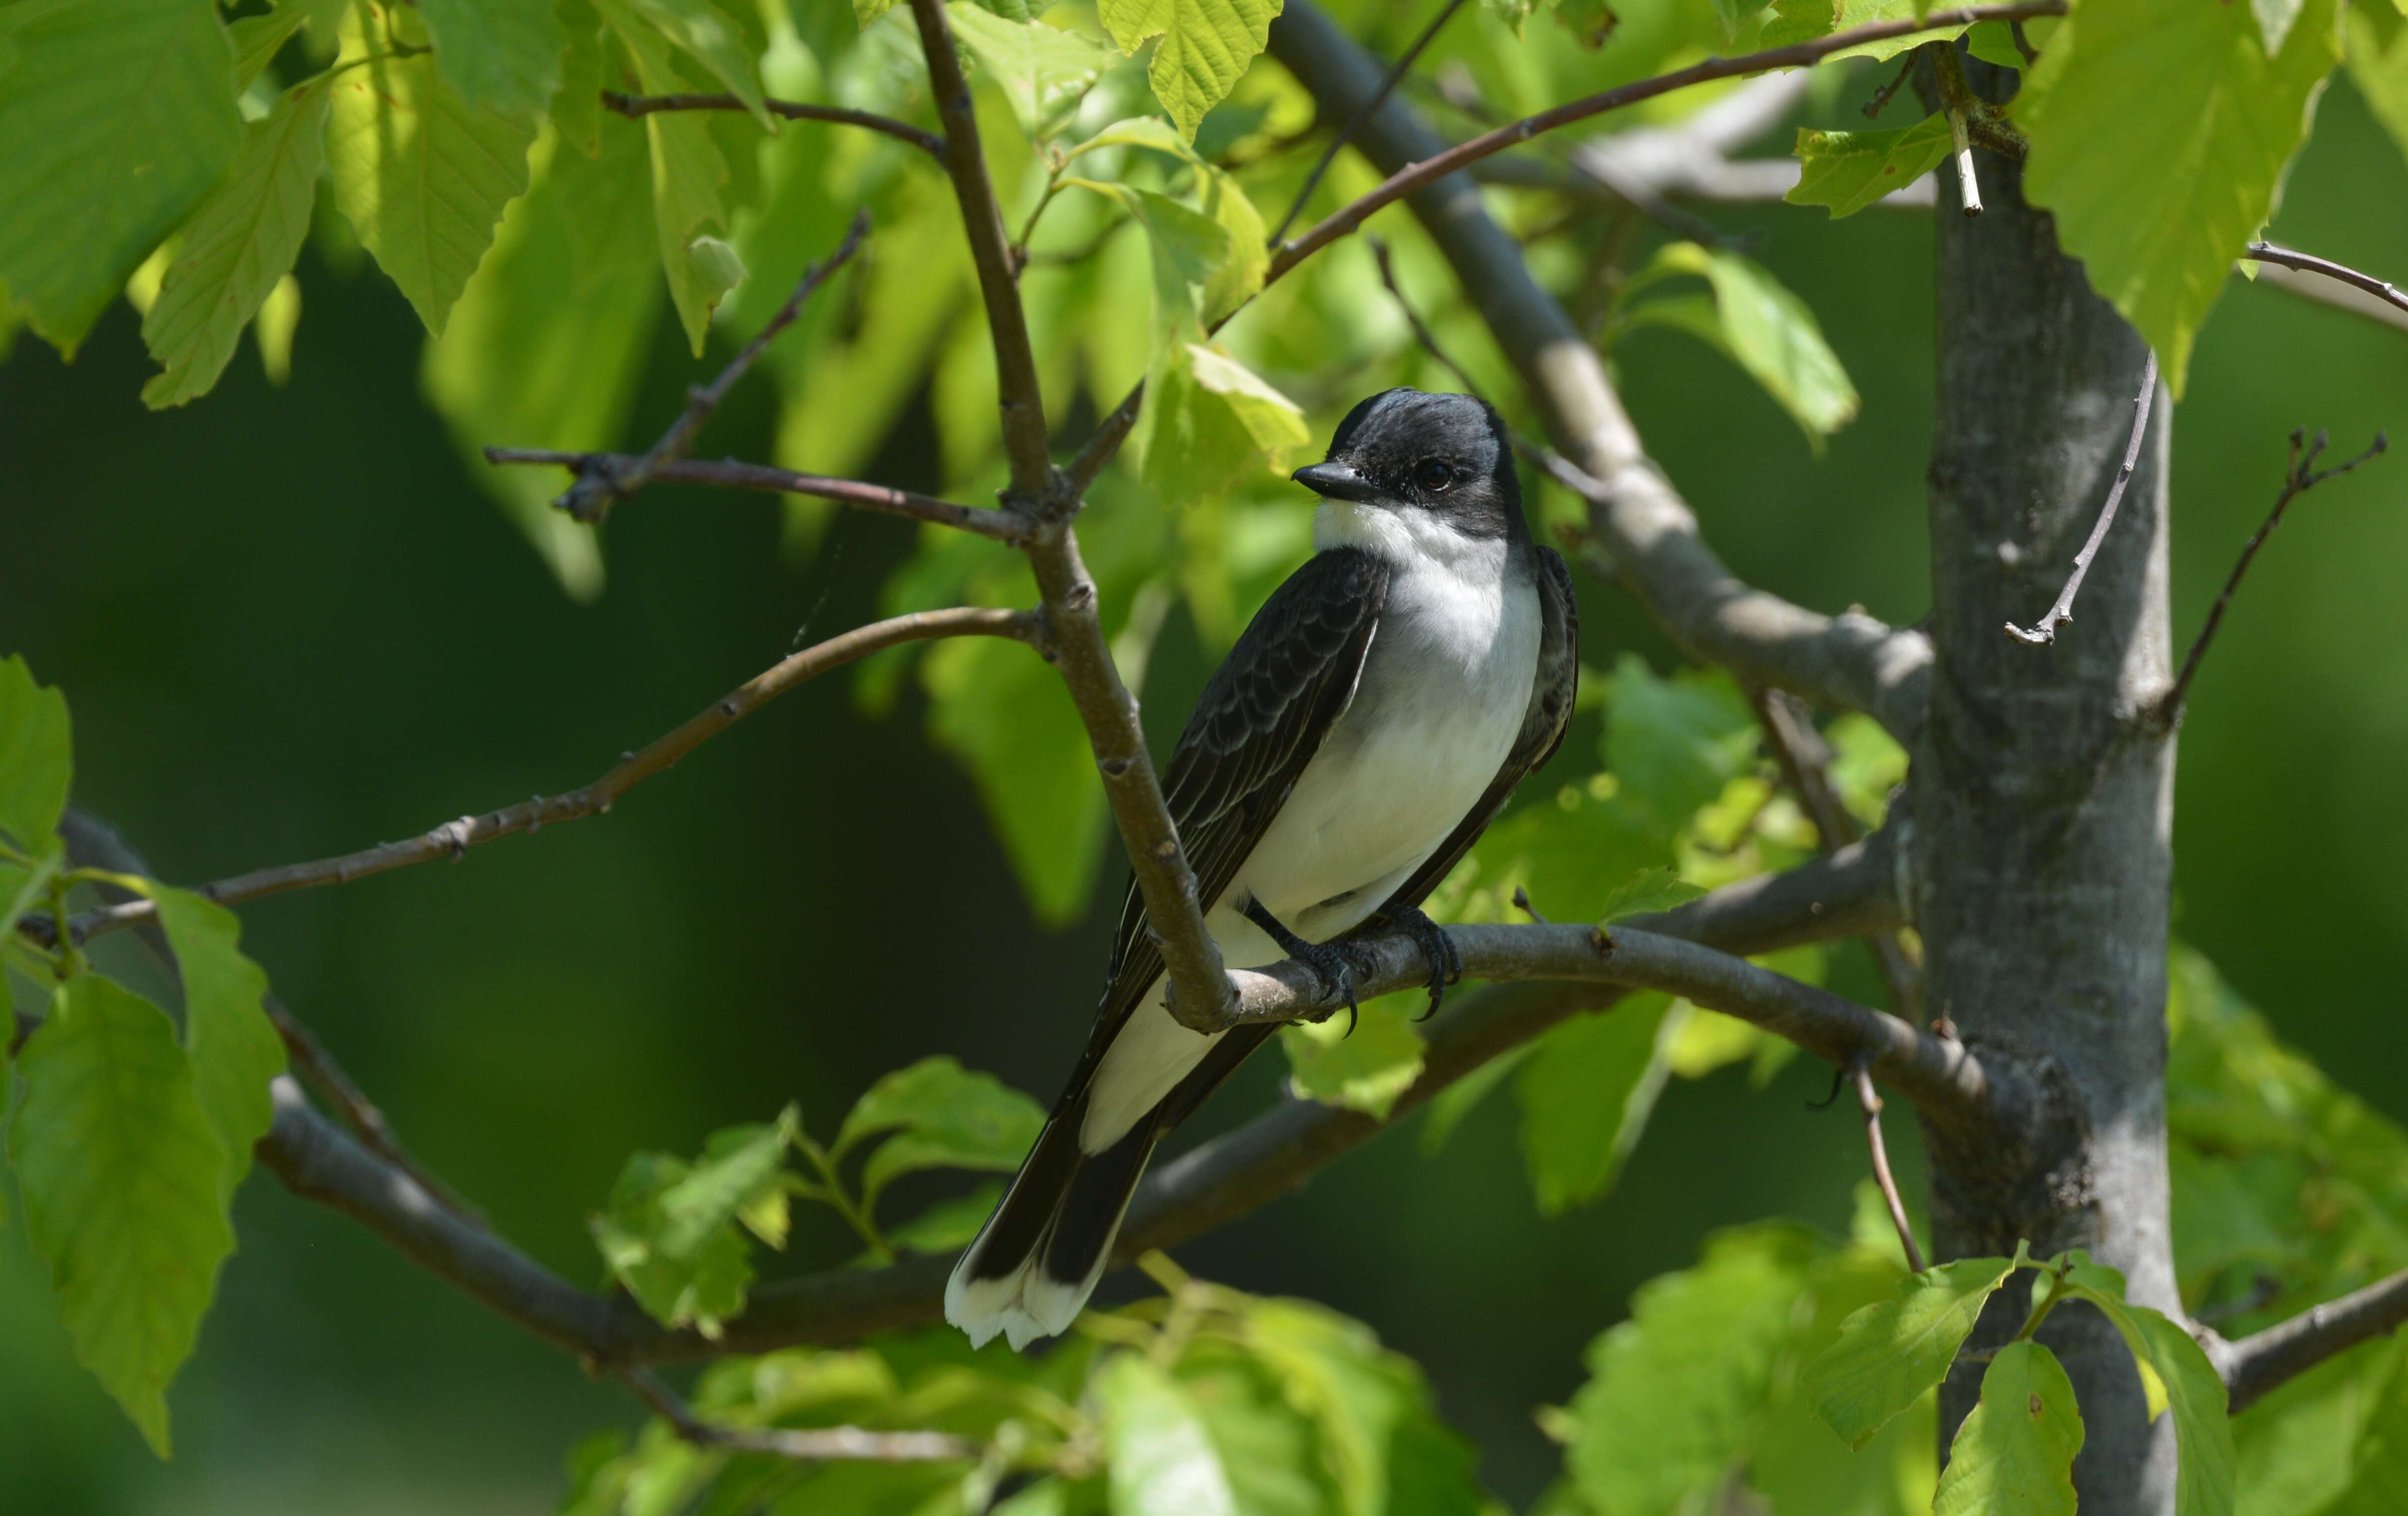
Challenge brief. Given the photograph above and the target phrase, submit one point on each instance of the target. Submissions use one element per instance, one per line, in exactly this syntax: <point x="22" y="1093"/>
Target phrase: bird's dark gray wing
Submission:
<point x="1552" y="693"/>
<point x="1259" y="721"/>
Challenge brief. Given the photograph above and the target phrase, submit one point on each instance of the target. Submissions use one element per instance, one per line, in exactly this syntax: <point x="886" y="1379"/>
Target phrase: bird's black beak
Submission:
<point x="1334" y="481"/>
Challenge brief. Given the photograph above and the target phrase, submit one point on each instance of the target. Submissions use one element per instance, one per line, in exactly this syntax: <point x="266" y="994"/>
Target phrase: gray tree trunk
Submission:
<point x="2043" y="802"/>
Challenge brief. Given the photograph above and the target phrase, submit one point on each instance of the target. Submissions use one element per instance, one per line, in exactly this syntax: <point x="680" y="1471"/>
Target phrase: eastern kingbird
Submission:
<point x="1366" y="729"/>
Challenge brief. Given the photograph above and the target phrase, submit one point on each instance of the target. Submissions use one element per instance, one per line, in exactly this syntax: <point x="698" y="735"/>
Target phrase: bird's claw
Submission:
<point x="1438" y="949"/>
<point x="1334" y="966"/>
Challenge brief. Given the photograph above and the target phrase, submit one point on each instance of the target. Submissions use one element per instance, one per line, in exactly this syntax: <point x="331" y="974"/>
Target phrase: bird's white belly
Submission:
<point x="1432" y="721"/>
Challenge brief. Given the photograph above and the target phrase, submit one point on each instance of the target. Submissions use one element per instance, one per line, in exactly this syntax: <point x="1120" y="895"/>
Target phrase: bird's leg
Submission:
<point x="1330" y="963"/>
<point x="1438" y="949"/>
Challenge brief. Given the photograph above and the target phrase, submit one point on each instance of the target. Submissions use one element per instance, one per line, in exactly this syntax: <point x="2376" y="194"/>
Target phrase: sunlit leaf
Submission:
<point x="576" y="109"/>
<point x="1803" y="21"/>
<point x="1216" y="423"/>
<point x="1763" y="327"/>
<point x="2175" y="1375"/>
<point x="708" y="34"/>
<point x="121" y="1175"/>
<point x="1205" y="46"/>
<point x="422" y="176"/>
<point x="688" y="173"/>
<point x="1043" y="69"/>
<point x="2015" y="1453"/>
<point x="1848" y="171"/>
<point x="37" y="756"/>
<point x="2378" y="41"/>
<point x="1673" y="743"/>
<point x="1365" y="1069"/>
<point x="1647" y="892"/>
<point x="941" y="1116"/>
<point x="2157" y="203"/>
<point x="1888" y="1354"/>
<point x="235" y="1049"/>
<point x="1163" y="1462"/>
<point x="115" y="119"/>
<point x="702" y="1286"/>
<point x="236" y="248"/>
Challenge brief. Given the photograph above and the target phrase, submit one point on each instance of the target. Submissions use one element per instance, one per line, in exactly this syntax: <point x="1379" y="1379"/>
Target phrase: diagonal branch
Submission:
<point x="1397" y="72"/>
<point x="1641" y="532"/>
<point x="635" y="107"/>
<point x="2253" y="1365"/>
<point x="1200" y="992"/>
<point x="1414" y="176"/>
<point x="600" y="485"/>
<point x="455" y="837"/>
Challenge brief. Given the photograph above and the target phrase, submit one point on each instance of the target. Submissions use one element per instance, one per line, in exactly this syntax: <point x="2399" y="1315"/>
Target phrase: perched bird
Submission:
<point x="1364" y="730"/>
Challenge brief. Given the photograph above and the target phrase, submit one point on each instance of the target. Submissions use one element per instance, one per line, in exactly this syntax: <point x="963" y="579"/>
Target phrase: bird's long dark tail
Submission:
<point x="1033" y="1266"/>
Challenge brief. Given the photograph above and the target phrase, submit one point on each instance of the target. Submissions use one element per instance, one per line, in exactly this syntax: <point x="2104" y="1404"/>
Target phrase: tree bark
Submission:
<point x="2041" y="802"/>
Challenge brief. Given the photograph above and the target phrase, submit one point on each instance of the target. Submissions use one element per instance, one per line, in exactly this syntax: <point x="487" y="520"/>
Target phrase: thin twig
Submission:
<point x="1200" y="993"/>
<point x="729" y="473"/>
<point x="1880" y="102"/>
<point x="1805" y="761"/>
<point x="2308" y="263"/>
<point x="1797" y="56"/>
<point x="2300" y="476"/>
<point x="817" y="1444"/>
<point x="601" y="484"/>
<point x="1871" y="1100"/>
<point x="1422" y="332"/>
<point x="2258" y="1362"/>
<point x="634" y="106"/>
<point x="455" y="837"/>
<point x="1402" y="66"/>
<point x="2045" y="631"/>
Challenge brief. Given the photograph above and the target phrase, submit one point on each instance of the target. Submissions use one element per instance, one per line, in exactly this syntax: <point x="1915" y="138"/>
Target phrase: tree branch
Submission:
<point x="2300" y="476"/>
<point x="2308" y="263"/>
<point x="1414" y="177"/>
<point x="599" y="485"/>
<point x="1871" y="1101"/>
<point x="455" y="837"/>
<point x="1641" y="532"/>
<point x="2044" y="631"/>
<point x="1845" y="894"/>
<point x="635" y="107"/>
<point x="1200" y="992"/>
<point x="729" y="473"/>
<point x="2260" y="1362"/>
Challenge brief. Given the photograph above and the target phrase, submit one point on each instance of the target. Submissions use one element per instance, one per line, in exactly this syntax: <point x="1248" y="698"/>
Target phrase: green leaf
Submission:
<point x="1673" y="743"/>
<point x="739" y="1166"/>
<point x="1189" y="248"/>
<point x="1585" y="1096"/>
<point x="1994" y="42"/>
<point x="548" y="341"/>
<point x="500" y="54"/>
<point x="688" y="172"/>
<point x="1676" y="1390"/>
<point x="2378" y="65"/>
<point x="22" y="888"/>
<point x="2275" y="21"/>
<point x="1163" y="1463"/>
<point x="1649" y="891"/>
<point x="116" y="118"/>
<point x="1803" y="21"/>
<point x="1367" y="1068"/>
<point x="948" y="1225"/>
<point x="120" y="1174"/>
<point x="702" y="1286"/>
<point x="1205" y="46"/>
<point x="235" y="1047"/>
<point x="235" y="249"/>
<point x="1866" y="764"/>
<point x="1043" y="70"/>
<point x="1848" y="171"/>
<point x="1762" y="327"/>
<point x="2176" y="1375"/>
<point x="2157" y="203"/>
<point x="943" y="1116"/>
<point x="422" y="176"/>
<point x="706" y="33"/>
<point x="576" y="109"/>
<point x="1888" y="1354"/>
<point x="2014" y="1452"/>
<point x="1215" y="424"/>
<point x="37" y="756"/>
<point x="257" y="39"/>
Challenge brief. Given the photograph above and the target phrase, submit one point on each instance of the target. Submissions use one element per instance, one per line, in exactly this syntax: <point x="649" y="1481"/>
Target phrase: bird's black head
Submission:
<point x="1405" y="449"/>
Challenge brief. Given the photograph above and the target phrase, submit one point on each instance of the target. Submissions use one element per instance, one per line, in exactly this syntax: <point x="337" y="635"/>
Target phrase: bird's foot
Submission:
<point x="1437" y="950"/>
<point x="1332" y="962"/>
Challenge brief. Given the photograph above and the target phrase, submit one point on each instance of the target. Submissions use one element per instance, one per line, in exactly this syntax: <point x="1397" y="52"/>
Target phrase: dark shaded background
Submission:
<point x="289" y="625"/>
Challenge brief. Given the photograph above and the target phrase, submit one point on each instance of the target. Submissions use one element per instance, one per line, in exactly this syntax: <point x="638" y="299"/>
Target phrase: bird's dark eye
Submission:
<point x="1433" y="476"/>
